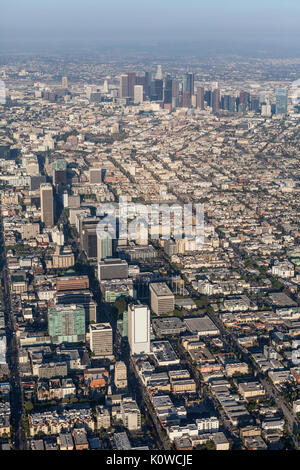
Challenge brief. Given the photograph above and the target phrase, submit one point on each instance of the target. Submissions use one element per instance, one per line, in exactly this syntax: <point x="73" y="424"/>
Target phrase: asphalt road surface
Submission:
<point x="16" y="397"/>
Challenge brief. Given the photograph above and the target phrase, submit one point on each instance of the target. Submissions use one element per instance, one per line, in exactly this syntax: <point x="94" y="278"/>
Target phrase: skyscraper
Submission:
<point x="216" y="101"/>
<point x="59" y="178"/>
<point x="255" y="105"/>
<point x="200" y="97"/>
<point x="139" y="328"/>
<point x="138" y="94"/>
<point x="186" y="99"/>
<point x="162" y="298"/>
<point x="47" y="209"/>
<point x="175" y="91"/>
<point x="66" y="324"/>
<point x="123" y="93"/>
<point x="188" y="84"/>
<point x="281" y="101"/>
<point x="114" y="268"/>
<point x="159" y="74"/>
<point x="64" y="82"/>
<point x="131" y="83"/>
<point x="168" y="90"/>
<point x="104" y="248"/>
<point x="105" y="86"/>
<point x="157" y="90"/>
<point x="88" y="236"/>
<point x="232" y="104"/>
<point x="208" y="97"/>
<point x="101" y="339"/>
<point x="225" y="102"/>
<point x="245" y="99"/>
<point x="147" y="88"/>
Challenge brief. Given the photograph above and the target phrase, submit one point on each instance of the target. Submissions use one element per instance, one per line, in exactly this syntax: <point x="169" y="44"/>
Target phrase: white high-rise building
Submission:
<point x="139" y="328"/>
<point x="266" y="110"/>
<point x="138" y="94"/>
<point x="64" y="82"/>
<point x="159" y="74"/>
<point x="105" y="86"/>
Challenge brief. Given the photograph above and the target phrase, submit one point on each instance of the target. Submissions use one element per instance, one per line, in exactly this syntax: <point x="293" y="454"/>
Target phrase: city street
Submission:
<point x="16" y="400"/>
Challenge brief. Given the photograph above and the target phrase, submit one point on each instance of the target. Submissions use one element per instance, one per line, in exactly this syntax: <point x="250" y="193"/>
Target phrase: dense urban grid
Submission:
<point x="149" y="342"/>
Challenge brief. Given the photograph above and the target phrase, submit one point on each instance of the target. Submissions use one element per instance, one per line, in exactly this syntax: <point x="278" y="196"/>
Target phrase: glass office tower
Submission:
<point x="66" y="324"/>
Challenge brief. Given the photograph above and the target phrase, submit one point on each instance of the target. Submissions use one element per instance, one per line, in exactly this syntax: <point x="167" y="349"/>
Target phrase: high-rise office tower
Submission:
<point x="66" y="324"/>
<point x="138" y="94"/>
<point x="47" y="206"/>
<point x="105" y="86"/>
<point x="139" y="328"/>
<point x="82" y="297"/>
<point x="114" y="268"/>
<point x="159" y="74"/>
<point x="131" y="83"/>
<point x="281" y="102"/>
<point x="175" y="92"/>
<point x="59" y="178"/>
<point x="200" y="97"/>
<point x="168" y="90"/>
<point x="157" y="87"/>
<point x="186" y="99"/>
<point x="140" y="80"/>
<point x="101" y="339"/>
<point x="104" y="248"/>
<point x="255" y="105"/>
<point x="123" y="92"/>
<point x="64" y="82"/>
<point x="228" y="103"/>
<point x="147" y="88"/>
<point x="188" y="84"/>
<point x="241" y="107"/>
<point x="266" y="110"/>
<point x="216" y="101"/>
<point x="36" y="181"/>
<point x="225" y="102"/>
<point x="232" y="104"/>
<point x="162" y="298"/>
<point x="245" y="99"/>
<point x="59" y="173"/>
<point x="88" y="236"/>
<point x="208" y="97"/>
<point x="262" y="98"/>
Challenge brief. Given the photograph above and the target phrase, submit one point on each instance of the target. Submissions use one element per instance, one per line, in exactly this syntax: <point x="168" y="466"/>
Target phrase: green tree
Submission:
<point x="120" y="305"/>
<point x="209" y="445"/>
<point x="28" y="406"/>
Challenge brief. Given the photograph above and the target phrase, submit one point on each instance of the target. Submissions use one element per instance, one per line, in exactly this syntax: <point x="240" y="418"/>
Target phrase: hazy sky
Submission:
<point x="44" y="21"/>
